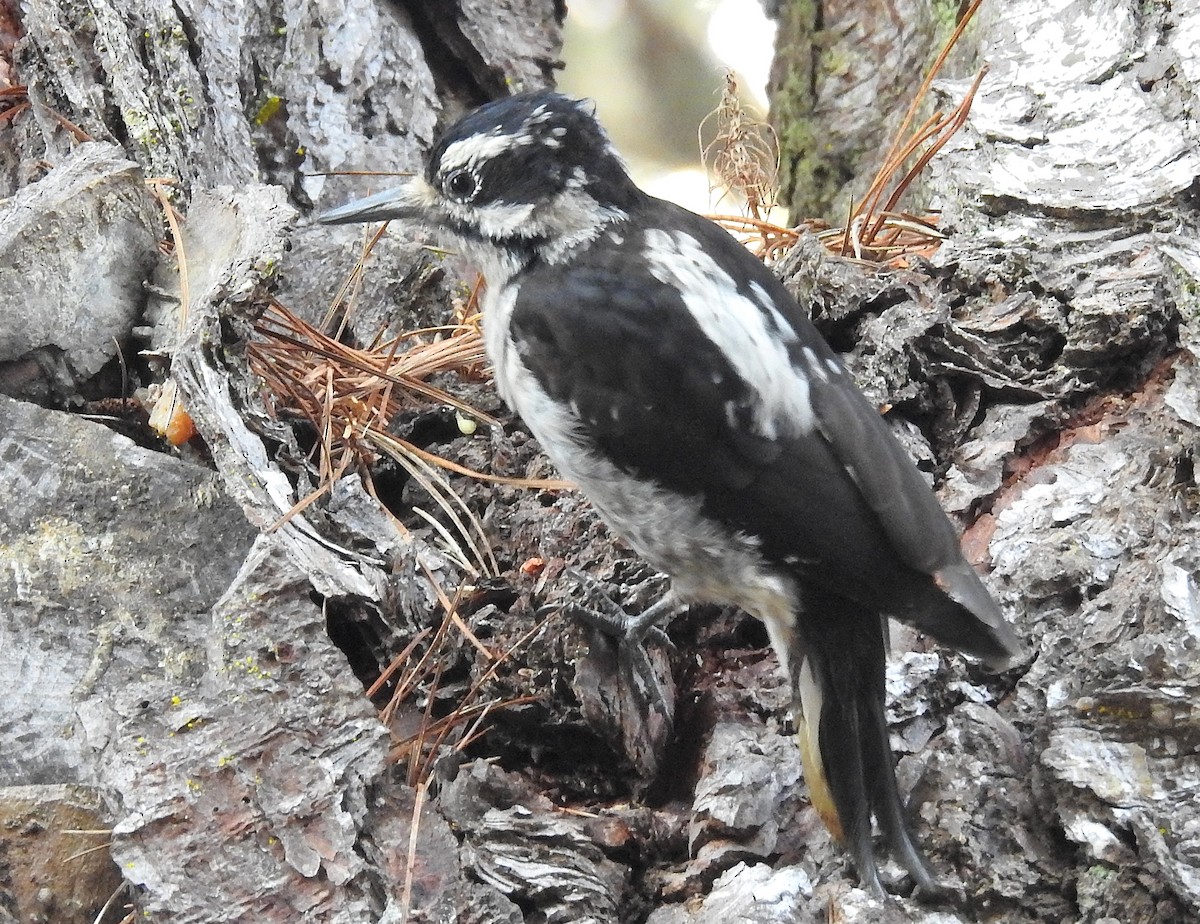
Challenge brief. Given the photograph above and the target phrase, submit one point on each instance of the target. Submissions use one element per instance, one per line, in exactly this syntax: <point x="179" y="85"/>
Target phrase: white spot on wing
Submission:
<point x="815" y="366"/>
<point x="764" y="300"/>
<point x="739" y="328"/>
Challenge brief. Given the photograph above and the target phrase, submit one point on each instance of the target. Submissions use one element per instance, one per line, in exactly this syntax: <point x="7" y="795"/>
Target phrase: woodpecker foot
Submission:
<point x="610" y="617"/>
<point x="630" y="633"/>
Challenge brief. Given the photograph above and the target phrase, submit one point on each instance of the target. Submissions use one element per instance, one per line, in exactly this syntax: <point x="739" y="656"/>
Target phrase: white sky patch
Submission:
<point x="686" y="186"/>
<point x="597" y="14"/>
<point x="601" y="64"/>
<point x="741" y="36"/>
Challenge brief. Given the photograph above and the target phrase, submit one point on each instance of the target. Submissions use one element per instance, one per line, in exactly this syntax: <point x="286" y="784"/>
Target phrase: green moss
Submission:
<point x="803" y="175"/>
<point x="1186" y="289"/>
<point x="268" y="110"/>
<point x="945" y="18"/>
<point x="141" y="129"/>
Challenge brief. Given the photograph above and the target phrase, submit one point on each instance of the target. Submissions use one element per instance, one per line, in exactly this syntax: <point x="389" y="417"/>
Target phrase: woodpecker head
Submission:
<point x="530" y="175"/>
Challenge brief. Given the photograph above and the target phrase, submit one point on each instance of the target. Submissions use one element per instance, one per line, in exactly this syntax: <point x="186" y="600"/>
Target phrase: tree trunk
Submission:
<point x="843" y="75"/>
<point x="175" y="649"/>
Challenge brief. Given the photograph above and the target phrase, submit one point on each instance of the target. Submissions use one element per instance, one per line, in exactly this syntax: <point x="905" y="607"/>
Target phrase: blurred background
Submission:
<point x="655" y="69"/>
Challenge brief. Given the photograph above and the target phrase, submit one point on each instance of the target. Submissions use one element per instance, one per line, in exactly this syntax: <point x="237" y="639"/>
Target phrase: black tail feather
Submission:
<point x="885" y="797"/>
<point x="839" y="672"/>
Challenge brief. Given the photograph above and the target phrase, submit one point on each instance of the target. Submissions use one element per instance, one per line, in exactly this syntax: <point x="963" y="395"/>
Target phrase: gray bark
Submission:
<point x="844" y="73"/>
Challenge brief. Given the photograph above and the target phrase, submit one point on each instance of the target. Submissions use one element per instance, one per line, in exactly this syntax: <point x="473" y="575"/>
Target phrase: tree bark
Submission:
<point x="843" y="75"/>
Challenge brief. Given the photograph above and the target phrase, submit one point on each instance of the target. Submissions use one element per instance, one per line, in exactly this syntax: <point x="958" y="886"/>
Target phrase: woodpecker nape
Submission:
<point x="670" y="374"/>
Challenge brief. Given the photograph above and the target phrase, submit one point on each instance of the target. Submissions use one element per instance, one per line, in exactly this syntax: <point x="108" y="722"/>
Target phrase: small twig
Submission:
<point x="108" y="905"/>
<point x="158" y="188"/>
<point x="396" y="663"/>
<point x="86" y="851"/>
<point x="75" y="131"/>
<point x="451" y="610"/>
<point x="411" y="862"/>
<point x="412" y="677"/>
<point x="394" y="443"/>
<point x="359" y="173"/>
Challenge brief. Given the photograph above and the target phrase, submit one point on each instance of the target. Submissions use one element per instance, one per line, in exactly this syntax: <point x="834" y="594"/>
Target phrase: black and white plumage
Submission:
<point x="669" y="373"/>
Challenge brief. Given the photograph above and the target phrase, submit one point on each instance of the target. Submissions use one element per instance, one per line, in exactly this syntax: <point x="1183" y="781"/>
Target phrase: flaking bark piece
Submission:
<point x="75" y="250"/>
<point x="543" y="859"/>
<point x="245" y="790"/>
<point x="232" y="243"/>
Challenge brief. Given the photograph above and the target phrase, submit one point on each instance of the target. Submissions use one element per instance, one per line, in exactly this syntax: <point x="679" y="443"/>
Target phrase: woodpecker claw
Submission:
<point x="631" y="634"/>
<point x="636" y="669"/>
<point x="620" y="626"/>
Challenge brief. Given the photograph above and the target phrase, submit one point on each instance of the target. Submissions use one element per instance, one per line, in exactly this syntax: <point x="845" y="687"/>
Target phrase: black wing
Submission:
<point x="841" y="505"/>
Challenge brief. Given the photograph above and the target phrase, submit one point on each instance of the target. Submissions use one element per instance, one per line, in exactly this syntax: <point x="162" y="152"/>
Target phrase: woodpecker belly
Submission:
<point x="707" y="561"/>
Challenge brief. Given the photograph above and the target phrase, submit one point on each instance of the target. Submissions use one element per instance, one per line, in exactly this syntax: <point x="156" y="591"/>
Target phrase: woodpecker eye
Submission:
<point x="461" y="185"/>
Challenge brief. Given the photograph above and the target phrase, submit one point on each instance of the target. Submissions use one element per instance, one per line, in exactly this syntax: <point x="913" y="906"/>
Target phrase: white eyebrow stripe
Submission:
<point x="478" y="149"/>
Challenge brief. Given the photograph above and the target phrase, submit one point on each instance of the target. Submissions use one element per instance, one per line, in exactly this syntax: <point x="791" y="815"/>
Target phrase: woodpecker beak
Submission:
<point x="409" y="202"/>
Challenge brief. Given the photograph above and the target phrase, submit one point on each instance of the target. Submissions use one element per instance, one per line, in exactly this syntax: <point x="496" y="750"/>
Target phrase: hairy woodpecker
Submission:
<point x="670" y="374"/>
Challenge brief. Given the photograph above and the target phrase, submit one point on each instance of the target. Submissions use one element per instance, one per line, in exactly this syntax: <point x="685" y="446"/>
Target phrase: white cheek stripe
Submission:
<point x="496" y="220"/>
<point x="739" y="329"/>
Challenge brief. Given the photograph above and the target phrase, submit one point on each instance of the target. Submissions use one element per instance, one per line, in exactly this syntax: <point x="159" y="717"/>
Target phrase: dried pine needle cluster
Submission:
<point x="349" y="396"/>
<point x="744" y="158"/>
<point x="875" y="230"/>
<point x="746" y="161"/>
<point x="744" y="155"/>
<point x="423" y="742"/>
